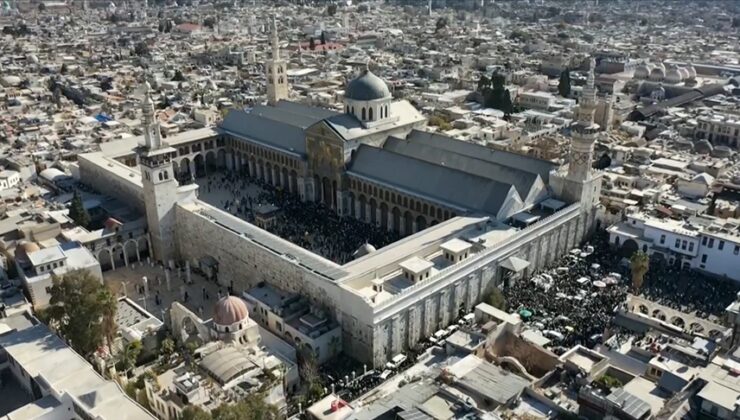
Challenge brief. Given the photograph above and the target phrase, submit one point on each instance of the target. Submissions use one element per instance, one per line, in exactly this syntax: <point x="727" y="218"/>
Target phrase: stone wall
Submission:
<point x="112" y="178"/>
<point x="242" y="262"/>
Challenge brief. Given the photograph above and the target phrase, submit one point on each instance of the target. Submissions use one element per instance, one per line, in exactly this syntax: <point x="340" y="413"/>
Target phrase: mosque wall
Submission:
<point x="244" y="263"/>
<point x="421" y="310"/>
<point x="112" y="178"/>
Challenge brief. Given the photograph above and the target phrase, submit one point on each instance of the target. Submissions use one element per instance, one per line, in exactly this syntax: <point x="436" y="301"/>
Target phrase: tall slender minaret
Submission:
<point x="581" y="184"/>
<point x="152" y="131"/>
<point x="584" y="131"/>
<point x="159" y="184"/>
<point x="277" y="78"/>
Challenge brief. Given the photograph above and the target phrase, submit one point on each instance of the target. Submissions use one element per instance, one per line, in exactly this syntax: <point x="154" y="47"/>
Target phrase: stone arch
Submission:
<point x="370" y="113"/>
<point x="326" y="189"/>
<point x="131" y="250"/>
<point x="176" y="168"/>
<point x="268" y="173"/>
<point x="384" y="215"/>
<point x="408" y="221"/>
<point x="105" y="258"/>
<point x="696" y="328"/>
<point x="628" y="248"/>
<point x="363" y="208"/>
<point x="373" y="211"/>
<point x="396" y="216"/>
<point x="364" y="113"/>
<point x="185" y="168"/>
<point x="200" y="165"/>
<point x="421" y="223"/>
<point x="715" y="334"/>
<point x="118" y="254"/>
<point x="285" y="179"/>
<point x="293" y="182"/>
<point x="643" y="309"/>
<point x="678" y="321"/>
<point x="143" y="245"/>
<point x="659" y="314"/>
<point x="221" y="158"/>
<point x="260" y="169"/>
<point x="351" y="203"/>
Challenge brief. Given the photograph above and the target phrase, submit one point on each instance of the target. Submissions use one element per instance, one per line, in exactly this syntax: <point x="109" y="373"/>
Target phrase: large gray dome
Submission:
<point x="367" y="87"/>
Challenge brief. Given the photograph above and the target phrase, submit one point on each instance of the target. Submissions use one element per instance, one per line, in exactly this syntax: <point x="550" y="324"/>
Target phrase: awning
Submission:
<point x="552" y="204"/>
<point x="515" y="264"/>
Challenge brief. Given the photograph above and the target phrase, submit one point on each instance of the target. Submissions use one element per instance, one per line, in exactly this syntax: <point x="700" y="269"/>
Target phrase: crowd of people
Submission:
<point x="309" y="225"/>
<point x="572" y="302"/>
<point x="577" y="297"/>
<point x="688" y="291"/>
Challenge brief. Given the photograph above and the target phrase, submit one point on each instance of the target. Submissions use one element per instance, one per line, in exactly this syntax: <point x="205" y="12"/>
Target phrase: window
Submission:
<point x="370" y="114"/>
<point x="662" y="239"/>
<point x="737" y="249"/>
<point x="678" y="243"/>
<point x="644" y="248"/>
<point x="364" y="114"/>
<point x="721" y="245"/>
<point x="711" y="242"/>
<point x="683" y="245"/>
<point x="691" y="246"/>
<point x="704" y="258"/>
<point x="704" y="241"/>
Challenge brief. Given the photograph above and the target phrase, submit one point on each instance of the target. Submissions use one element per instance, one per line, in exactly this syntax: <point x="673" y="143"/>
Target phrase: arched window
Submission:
<point x="370" y="113"/>
<point x="363" y="114"/>
<point x="280" y="80"/>
<point x="386" y="111"/>
<point x="161" y="176"/>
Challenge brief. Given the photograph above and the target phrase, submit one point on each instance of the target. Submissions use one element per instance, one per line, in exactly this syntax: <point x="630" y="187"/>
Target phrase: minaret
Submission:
<point x="159" y="184"/>
<point x="581" y="184"/>
<point x="584" y="131"/>
<point x="152" y="131"/>
<point x="277" y="79"/>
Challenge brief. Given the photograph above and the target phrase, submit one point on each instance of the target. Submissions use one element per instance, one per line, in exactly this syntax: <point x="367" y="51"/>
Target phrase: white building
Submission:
<point x="60" y="384"/>
<point x="37" y="266"/>
<point x="9" y="179"/>
<point x="709" y="245"/>
<point x="720" y="129"/>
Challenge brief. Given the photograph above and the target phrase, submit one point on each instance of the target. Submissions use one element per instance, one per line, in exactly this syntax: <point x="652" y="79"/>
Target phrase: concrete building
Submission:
<point x="719" y="129"/>
<point x="37" y="266"/>
<point x="48" y="380"/>
<point x="710" y="245"/>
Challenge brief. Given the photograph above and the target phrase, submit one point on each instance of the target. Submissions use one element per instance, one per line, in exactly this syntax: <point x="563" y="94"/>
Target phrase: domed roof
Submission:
<point x="684" y="73"/>
<point x="230" y="310"/>
<point x="642" y="71"/>
<point x="673" y="76"/>
<point x="367" y="87"/>
<point x="692" y="71"/>
<point x="363" y="250"/>
<point x="657" y="73"/>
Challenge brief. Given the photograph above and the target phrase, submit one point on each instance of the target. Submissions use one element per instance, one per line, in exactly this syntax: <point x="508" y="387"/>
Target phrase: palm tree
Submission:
<point x="639" y="265"/>
<point x="129" y="355"/>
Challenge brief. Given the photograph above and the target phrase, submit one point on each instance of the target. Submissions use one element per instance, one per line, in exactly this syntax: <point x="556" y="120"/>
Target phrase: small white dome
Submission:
<point x="673" y="76"/>
<point x="657" y="74"/>
<point x="692" y="72"/>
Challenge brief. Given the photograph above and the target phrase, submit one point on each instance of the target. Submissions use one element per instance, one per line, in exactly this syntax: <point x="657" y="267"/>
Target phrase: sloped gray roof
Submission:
<point x="521" y="180"/>
<point x="293" y="113"/>
<point x="443" y="184"/>
<point x="512" y="160"/>
<point x="263" y="130"/>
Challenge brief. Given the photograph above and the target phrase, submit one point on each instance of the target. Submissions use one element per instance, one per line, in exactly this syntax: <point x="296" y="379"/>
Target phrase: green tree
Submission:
<point x="78" y="309"/>
<point x="496" y="299"/>
<point x="437" y="121"/>
<point x="77" y="211"/>
<point x="167" y="347"/>
<point x="209" y="22"/>
<point x="193" y="412"/>
<point x="130" y="355"/>
<point x="639" y="265"/>
<point x="483" y="83"/>
<point x="441" y="23"/>
<point x="506" y="105"/>
<point x="564" y="84"/>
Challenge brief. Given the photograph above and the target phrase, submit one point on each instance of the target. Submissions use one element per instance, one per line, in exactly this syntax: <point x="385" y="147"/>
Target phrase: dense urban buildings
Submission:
<point x="370" y="209"/>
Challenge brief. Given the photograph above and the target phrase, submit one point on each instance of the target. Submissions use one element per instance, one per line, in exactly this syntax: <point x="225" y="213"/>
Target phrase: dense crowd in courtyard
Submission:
<point x="574" y="300"/>
<point x="309" y="225"/>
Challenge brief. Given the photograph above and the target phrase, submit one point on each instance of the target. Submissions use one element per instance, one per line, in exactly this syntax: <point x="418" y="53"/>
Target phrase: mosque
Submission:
<point x="471" y="217"/>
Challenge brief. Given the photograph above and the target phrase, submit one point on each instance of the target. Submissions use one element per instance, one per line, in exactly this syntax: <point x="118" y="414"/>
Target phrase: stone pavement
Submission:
<point x="128" y="281"/>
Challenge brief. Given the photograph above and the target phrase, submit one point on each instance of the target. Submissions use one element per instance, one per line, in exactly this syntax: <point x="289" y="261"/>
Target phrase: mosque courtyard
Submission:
<point x="309" y="225"/>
